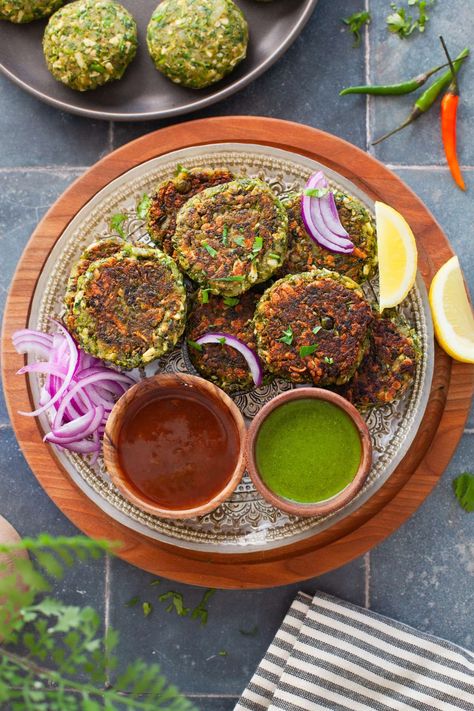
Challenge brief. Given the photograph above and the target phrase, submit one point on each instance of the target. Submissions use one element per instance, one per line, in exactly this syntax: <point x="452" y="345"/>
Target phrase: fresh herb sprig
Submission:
<point x="401" y="23"/>
<point x="143" y="206"/>
<point x="67" y="657"/>
<point x="463" y="487"/>
<point x="116" y="223"/>
<point x="355" y="23"/>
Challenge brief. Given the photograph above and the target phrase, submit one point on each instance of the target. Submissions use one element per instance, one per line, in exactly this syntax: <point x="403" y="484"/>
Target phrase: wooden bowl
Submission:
<point x="328" y="505"/>
<point x="144" y="391"/>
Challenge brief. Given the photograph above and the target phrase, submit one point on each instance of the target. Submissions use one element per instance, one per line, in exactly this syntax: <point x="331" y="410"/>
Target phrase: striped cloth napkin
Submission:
<point x="330" y="655"/>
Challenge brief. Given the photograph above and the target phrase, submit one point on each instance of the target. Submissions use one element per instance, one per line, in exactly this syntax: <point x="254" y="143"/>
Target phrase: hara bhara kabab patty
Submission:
<point x="197" y="42"/>
<point x="220" y="363"/>
<point x="231" y="236"/>
<point x="389" y="366"/>
<point x="171" y="195"/>
<point x="89" y="43"/>
<point x="21" y="11"/>
<point x="129" y="308"/>
<point x="313" y="327"/>
<point x="304" y="254"/>
<point x="97" y="250"/>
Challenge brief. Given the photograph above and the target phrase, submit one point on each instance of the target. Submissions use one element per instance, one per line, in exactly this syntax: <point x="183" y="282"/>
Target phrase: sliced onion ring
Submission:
<point x="321" y="219"/>
<point x="250" y="356"/>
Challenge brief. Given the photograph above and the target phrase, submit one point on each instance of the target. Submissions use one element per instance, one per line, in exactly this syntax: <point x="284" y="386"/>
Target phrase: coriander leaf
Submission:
<point x="328" y="360"/>
<point x="274" y="256"/>
<point x="257" y="244"/>
<point x="209" y="249"/>
<point x="316" y="192"/>
<point x="201" y="611"/>
<point x="223" y="653"/>
<point x="250" y="633"/>
<point x="116" y="223"/>
<point x="180" y="169"/>
<point x="132" y="602"/>
<point x="355" y="22"/>
<point x="177" y="603"/>
<point x="193" y="344"/>
<point x="401" y="23"/>
<point x="143" y="206"/>
<point x="287" y="336"/>
<point x="240" y="241"/>
<point x="225" y="233"/>
<point x="157" y="581"/>
<point x="231" y="300"/>
<point x="463" y="487"/>
<point x="307" y="350"/>
<point x="222" y="340"/>
<point x="204" y="295"/>
<point x="317" y="329"/>
<point x="229" y="278"/>
<point x="147" y="608"/>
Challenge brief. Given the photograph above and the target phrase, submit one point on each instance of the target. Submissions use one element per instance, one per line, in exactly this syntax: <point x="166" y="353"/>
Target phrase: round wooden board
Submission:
<point x="436" y="440"/>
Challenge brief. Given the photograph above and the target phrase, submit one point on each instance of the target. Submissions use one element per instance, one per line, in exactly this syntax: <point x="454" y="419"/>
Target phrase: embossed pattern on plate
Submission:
<point x="245" y="522"/>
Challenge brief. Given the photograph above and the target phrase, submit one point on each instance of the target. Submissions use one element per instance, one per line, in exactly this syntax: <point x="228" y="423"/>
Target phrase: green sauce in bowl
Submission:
<point x="308" y="450"/>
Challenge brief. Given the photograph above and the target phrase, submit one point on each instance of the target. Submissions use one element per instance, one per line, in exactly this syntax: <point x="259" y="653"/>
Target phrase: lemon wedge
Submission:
<point x="398" y="256"/>
<point x="452" y="312"/>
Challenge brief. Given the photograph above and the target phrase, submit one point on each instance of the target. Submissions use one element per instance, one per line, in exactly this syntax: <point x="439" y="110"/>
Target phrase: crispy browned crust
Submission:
<point x="171" y="195"/>
<point x="388" y="368"/>
<point x="324" y="301"/>
<point x="222" y="364"/>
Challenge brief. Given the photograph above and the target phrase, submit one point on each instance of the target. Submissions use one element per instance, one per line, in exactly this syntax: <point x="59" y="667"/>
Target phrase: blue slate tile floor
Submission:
<point x="424" y="573"/>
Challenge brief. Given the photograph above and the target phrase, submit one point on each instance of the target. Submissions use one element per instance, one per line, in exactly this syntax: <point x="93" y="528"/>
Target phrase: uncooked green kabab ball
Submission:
<point x="21" y="11"/>
<point x="89" y="43"/>
<point x="196" y="43"/>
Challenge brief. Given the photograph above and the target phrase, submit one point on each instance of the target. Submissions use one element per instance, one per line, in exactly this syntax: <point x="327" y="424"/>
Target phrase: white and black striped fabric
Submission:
<point x="330" y="655"/>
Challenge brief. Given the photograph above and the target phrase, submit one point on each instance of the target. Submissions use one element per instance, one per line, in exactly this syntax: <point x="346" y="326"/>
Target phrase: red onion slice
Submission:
<point x="250" y="356"/>
<point x="78" y="429"/>
<point x="321" y="219"/>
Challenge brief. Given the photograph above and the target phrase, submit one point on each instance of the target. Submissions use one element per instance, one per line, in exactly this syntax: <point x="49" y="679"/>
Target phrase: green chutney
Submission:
<point x="308" y="450"/>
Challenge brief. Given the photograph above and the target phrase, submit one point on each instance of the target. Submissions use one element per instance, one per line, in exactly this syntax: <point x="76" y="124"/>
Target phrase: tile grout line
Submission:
<point x="5" y="426"/>
<point x="368" y="103"/>
<point x="435" y="167"/>
<point x="107" y="606"/>
<point x="367" y="576"/>
<point x="46" y="169"/>
<point x="111" y="136"/>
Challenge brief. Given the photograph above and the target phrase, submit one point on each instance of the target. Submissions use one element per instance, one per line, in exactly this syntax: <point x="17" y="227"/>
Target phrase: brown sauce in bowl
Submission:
<point x="179" y="449"/>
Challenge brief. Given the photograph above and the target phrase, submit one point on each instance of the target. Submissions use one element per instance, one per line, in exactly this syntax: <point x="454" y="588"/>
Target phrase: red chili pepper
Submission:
<point x="449" y="109"/>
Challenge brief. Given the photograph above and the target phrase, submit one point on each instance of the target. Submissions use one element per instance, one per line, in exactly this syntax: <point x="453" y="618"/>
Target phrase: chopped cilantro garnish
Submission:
<point x="180" y="169"/>
<point x="240" y="241"/>
<point x="463" y="487"/>
<point x="287" y="336"/>
<point x="257" y="244"/>
<point x="209" y="249"/>
<point x="147" y="608"/>
<point x="116" y="223"/>
<point x="307" y="350"/>
<point x="231" y="300"/>
<point x="274" y="256"/>
<point x="222" y="340"/>
<point x="204" y="295"/>
<point x="143" y="206"/>
<point x="229" y="278"/>
<point x="317" y="329"/>
<point x="193" y="344"/>
<point x="225" y="233"/>
<point x="155" y="582"/>
<point x="316" y="192"/>
<point x="401" y="23"/>
<point x="133" y="601"/>
<point x="177" y="603"/>
<point x="200" y="611"/>
<point x="223" y="653"/>
<point x="328" y="360"/>
<point x="355" y="22"/>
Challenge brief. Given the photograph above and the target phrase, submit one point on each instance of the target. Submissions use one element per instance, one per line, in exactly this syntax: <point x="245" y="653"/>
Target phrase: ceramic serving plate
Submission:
<point x="143" y="93"/>
<point x="245" y="523"/>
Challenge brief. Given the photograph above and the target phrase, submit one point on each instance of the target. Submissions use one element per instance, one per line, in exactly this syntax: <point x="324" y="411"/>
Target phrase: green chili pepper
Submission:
<point x="405" y="87"/>
<point x="428" y="97"/>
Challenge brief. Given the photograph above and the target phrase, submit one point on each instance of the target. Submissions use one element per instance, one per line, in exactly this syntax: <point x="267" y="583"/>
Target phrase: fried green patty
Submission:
<point x="129" y="308"/>
<point x="389" y="366"/>
<point x="195" y="43"/>
<point x="171" y="195"/>
<point x="231" y="236"/>
<point x="304" y="254"/>
<point x="97" y="250"/>
<point x="313" y="327"/>
<point x="220" y="363"/>
<point x="20" y="11"/>
<point x="88" y="43"/>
